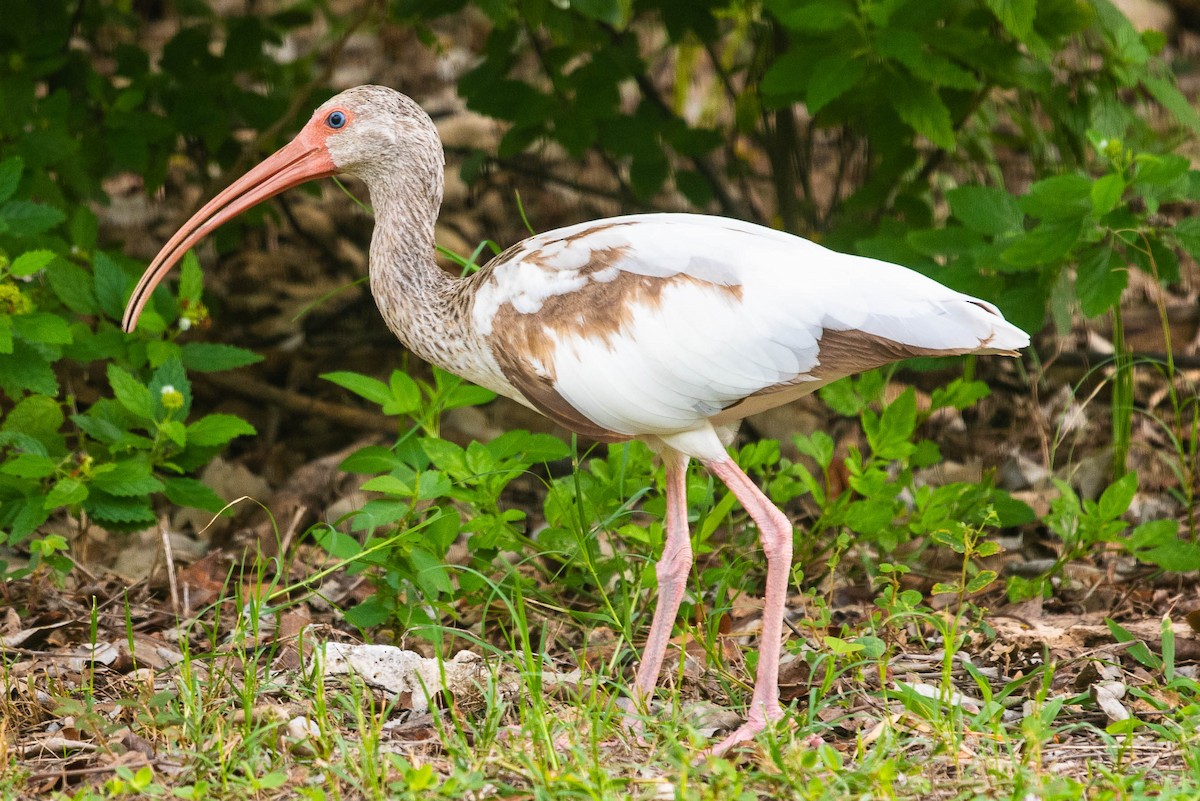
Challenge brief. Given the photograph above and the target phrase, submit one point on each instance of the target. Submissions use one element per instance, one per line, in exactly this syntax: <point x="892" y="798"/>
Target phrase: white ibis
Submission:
<point x="668" y="328"/>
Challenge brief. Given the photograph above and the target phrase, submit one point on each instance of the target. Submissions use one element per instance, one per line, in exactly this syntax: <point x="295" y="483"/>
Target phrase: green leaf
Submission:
<point x="822" y="16"/>
<point x="29" y="465"/>
<point x="431" y="573"/>
<point x="405" y="395"/>
<point x="986" y="209"/>
<point x="1187" y="234"/>
<point x="73" y="285"/>
<point x="191" y="278"/>
<point x="981" y="580"/>
<point x="131" y="477"/>
<point x="389" y="485"/>
<point x="217" y="429"/>
<point x="6" y="334"/>
<point x="1115" y="500"/>
<point x="27" y="369"/>
<point x="43" y="328"/>
<point x="606" y="11"/>
<point x="1168" y="95"/>
<point x="25" y="218"/>
<point x="1045" y="244"/>
<point x="1100" y="279"/>
<point x="371" y="459"/>
<point x="212" y="357"/>
<point x="190" y="492"/>
<point x="1061" y="197"/>
<point x="38" y="416"/>
<point x="10" y="176"/>
<point x="131" y="393"/>
<point x="31" y="262"/>
<point x="833" y="77"/>
<point x="1107" y="192"/>
<point x="372" y="389"/>
<point x="66" y="492"/>
<point x="1015" y="15"/>
<point x="1138" y="649"/>
<point x="923" y="111"/>
<point x="132" y="511"/>
<point x="111" y="284"/>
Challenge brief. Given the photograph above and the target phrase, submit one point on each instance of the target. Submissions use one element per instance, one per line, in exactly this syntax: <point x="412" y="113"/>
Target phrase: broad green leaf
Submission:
<point x="29" y="465"/>
<point x="73" y="285"/>
<point x="38" y="416"/>
<point x="372" y="389"/>
<point x="66" y="492"/>
<point x="191" y="278"/>
<point x="923" y="111"/>
<point x="212" y="357"/>
<point x="1187" y="234"/>
<point x="405" y="395"/>
<point x="1168" y="95"/>
<point x="1015" y="15"/>
<point x="606" y="11"/>
<point x="6" y="334"/>
<point x="131" y="393"/>
<point x="1061" y="197"/>
<point x="127" y="478"/>
<point x="985" y="209"/>
<point x="1115" y="500"/>
<point x="431" y="573"/>
<point x="820" y="16"/>
<point x="111" y="284"/>
<point x="132" y="511"/>
<point x="217" y="429"/>
<point x="981" y="580"/>
<point x="390" y="485"/>
<point x="25" y="218"/>
<point x="10" y="176"/>
<point x="1045" y="244"/>
<point x="1107" y="191"/>
<point x="190" y="492"/>
<point x="371" y="459"/>
<point x="833" y="77"/>
<point x="27" y="369"/>
<point x="1100" y="279"/>
<point x="42" y="328"/>
<point x="31" y="262"/>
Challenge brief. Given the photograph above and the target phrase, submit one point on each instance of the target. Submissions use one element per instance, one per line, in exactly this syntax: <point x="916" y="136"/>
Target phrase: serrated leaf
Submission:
<point x="1060" y="197"/>
<point x="390" y="485"/>
<point x="1100" y="279"/>
<point x="217" y="429"/>
<point x="371" y="459"/>
<point x="985" y="209"/>
<point x="923" y="111"/>
<point x="73" y="286"/>
<point x="1168" y="95"/>
<point x="1106" y="193"/>
<point x="405" y="395"/>
<point x="110" y="283"/>
<point x="66" y="492"/>
<point x="822" y="16"/>
<point x="26" y="218"/>
<point x="128" y="511"/>
<point x="27" y="369"/>
<point x="128" y="478"/>
<point x="1015" y="15"/>
<point x="833" y="77"/>
<point x="1045" y="244"/>
<point x="191" y="278"/>
<point x="190" y="492"/>
<point x="30" y="262"/>
<point x="10" y="176"/>
<point x="29" y="465"/>
<point x="131" y="393"/>
<point x="212" y="357"/>
<point x="43" y="328"/>
<point x="38" y="416"/>
<point x="364" y="386"/>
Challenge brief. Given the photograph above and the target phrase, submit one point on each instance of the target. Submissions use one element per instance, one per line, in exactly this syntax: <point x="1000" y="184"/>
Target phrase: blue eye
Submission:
<point x="336" y="119"/>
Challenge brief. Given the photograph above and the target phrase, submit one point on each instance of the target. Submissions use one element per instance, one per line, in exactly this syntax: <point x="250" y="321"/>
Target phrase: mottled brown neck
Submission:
<point x="421" y="303"/>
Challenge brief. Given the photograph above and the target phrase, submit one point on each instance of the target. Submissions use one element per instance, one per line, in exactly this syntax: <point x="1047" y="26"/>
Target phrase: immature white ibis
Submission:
<point x="668" y="328"/>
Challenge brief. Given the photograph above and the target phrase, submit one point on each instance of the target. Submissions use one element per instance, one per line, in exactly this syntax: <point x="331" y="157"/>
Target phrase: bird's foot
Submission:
<point x="755" y="723"/>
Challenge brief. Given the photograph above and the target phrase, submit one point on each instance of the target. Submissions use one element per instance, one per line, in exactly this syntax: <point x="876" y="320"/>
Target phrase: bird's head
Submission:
<point x="371" y="132"/>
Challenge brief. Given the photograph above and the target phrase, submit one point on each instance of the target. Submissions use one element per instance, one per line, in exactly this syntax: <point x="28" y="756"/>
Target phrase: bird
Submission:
<point x="669" y="328"/>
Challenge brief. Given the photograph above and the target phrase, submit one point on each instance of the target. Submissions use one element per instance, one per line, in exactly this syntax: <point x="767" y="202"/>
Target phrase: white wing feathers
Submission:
<point x="679" y="316"/>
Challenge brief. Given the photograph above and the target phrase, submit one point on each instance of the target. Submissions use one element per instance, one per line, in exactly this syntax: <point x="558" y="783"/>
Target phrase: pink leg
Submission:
<point x="775" y="532"/>
<point x="672" y="571"/>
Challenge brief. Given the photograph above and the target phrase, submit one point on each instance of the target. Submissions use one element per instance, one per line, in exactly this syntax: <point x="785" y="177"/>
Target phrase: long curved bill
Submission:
<point x="302" y="159"/>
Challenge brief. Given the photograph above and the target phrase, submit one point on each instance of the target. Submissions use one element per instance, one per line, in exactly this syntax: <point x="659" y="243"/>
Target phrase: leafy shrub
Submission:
<point x="100" y="459"/>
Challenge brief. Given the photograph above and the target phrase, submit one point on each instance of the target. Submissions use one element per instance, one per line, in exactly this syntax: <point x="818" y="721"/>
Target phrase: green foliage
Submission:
<point x="77" y="450"/>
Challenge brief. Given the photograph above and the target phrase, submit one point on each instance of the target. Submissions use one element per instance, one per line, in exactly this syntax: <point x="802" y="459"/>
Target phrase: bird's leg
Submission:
<point x="775" y="532"/>
<point x="672" y="571"/>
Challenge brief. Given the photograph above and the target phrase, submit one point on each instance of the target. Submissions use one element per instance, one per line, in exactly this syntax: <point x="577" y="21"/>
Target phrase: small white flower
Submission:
<point x="167" y="389"/>
<point x="184" y="323"/>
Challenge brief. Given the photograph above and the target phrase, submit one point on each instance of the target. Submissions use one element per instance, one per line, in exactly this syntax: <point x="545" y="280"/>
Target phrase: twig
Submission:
<point x="169" y="555"/>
